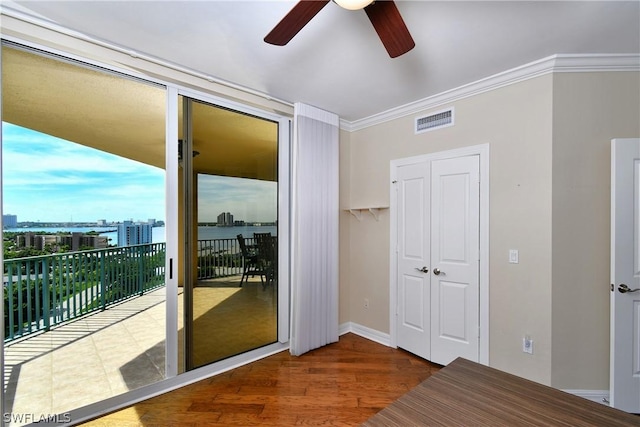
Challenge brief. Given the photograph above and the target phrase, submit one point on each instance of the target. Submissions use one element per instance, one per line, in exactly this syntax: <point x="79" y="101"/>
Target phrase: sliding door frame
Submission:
<point x="283" y="218"/>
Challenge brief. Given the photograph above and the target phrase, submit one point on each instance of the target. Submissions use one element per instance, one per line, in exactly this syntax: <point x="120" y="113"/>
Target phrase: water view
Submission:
<point x="158" y="236"/>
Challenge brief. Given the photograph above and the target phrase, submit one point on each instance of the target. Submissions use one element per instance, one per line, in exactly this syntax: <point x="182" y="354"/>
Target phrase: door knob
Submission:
<point x="623" y="289"/>
<point x="436" y="271"/>
<point x="423" y="269"/>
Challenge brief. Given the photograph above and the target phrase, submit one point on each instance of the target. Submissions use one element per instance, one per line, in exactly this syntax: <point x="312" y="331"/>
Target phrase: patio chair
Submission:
<point x="267" y="257"/>
<point x="250" y="261"/>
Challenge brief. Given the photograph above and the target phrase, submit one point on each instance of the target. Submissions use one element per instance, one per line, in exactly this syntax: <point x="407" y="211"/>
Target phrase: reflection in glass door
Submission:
<point x="229" y="165"/>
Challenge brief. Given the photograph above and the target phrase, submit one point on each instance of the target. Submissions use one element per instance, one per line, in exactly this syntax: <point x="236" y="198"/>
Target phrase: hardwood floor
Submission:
<point x="342" y="384"/>
<point x="466" y="393"/>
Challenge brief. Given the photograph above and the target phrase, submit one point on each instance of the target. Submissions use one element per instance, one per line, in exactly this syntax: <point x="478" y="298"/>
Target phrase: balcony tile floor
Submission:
<point x="89" y="359"/>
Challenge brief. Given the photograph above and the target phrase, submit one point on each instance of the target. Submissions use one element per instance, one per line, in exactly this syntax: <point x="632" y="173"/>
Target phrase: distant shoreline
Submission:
<point x="205" y="232"/>
<point x="63" y="230"/>
<point x="33" y="224"/>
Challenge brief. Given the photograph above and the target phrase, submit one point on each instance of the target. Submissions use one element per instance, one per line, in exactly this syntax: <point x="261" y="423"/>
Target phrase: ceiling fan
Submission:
<point x="383" y="14"/>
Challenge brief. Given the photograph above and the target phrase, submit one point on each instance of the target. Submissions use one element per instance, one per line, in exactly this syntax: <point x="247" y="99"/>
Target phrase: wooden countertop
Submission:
<point x="465" y="393"/>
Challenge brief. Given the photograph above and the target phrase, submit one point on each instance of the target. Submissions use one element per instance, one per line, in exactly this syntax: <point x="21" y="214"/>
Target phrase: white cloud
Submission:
<point x="247" y="199"/>
<point x="49" y="179"/>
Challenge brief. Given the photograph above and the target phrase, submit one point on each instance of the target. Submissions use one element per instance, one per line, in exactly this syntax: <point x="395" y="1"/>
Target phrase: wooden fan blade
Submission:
<point x="294" y="21"/>
<point x="388" y="23"/>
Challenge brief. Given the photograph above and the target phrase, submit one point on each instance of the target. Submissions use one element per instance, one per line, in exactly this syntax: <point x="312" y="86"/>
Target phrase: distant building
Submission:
<point x="9" y="221"/>
<point x="101" y="222"/>
<point x="134" y="234"/>
<point x="80" y="240"/>
<point x="225" y="219"/>
<point x="38" y="241"/>
<point x="26" y="240"/>
<point x="74" y="242"/>
<point x="42" y="240"/>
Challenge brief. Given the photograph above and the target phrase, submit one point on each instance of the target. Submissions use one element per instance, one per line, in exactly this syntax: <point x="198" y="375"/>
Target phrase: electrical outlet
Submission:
<point x="527" y="345"/>
<point x="366" y="303"/>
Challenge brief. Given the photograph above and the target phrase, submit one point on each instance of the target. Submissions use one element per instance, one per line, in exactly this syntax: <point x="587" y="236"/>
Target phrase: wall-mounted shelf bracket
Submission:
<point x="374" y="211"/>
<point x="356" y="212"/>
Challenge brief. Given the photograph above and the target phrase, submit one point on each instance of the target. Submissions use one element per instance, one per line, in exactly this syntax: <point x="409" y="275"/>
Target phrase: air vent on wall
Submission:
<point x="434" y="121"/>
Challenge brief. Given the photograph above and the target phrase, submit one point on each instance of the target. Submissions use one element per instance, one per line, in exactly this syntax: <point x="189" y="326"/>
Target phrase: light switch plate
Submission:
<point x="514" y="256"/>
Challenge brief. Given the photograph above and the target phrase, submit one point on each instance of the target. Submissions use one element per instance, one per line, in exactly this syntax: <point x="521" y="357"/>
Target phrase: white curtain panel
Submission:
<point x="314" y="262"/>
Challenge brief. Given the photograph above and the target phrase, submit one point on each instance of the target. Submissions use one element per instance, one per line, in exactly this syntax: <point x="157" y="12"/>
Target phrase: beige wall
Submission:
<point x="549" y="143"/>
<point x="590" y="109"/>
<point x="516" y="122"/>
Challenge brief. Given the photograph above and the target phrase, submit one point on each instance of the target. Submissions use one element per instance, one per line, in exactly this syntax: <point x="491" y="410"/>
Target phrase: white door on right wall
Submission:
<point x="625" y="275"/>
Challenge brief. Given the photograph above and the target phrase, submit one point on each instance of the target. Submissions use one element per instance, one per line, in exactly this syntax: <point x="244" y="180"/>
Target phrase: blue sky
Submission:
<point x="247" y="199"/>
<point x="51" y="180"/>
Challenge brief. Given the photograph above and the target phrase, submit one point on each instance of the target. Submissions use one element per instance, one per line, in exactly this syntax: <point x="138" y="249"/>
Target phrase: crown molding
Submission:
<point x="561" y="63"/>
<point x="551" y="64"/>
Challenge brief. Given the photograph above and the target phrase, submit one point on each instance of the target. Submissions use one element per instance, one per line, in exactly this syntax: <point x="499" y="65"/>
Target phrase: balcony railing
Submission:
<point x="44" y="291"/>
<point x="220" y="258"/>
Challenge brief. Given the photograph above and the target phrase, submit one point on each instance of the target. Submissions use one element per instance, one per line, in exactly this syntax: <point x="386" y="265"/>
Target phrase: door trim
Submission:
<point x="483" y="152"/>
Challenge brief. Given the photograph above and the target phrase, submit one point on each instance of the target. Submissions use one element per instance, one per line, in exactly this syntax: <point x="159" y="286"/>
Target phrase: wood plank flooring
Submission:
<point x="469" y="394"/>
<point x="342" y="384"/>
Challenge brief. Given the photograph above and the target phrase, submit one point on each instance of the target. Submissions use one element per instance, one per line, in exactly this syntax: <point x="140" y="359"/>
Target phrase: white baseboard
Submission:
<point x="598" y="396"/>
<point x="368" y="333"/>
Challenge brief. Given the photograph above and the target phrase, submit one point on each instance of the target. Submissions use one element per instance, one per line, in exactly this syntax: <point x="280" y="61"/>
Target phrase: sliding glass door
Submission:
<point x="231" y="280"/>
<point x="145" y="235"/>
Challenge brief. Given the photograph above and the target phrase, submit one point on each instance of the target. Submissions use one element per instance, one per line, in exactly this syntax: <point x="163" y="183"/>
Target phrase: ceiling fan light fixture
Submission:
<point x="384" y="16"/>
<point x="353" y="4"/>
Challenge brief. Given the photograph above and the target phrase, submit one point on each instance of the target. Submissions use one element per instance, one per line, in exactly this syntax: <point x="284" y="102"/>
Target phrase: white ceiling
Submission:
<point x="337" y="61"/>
